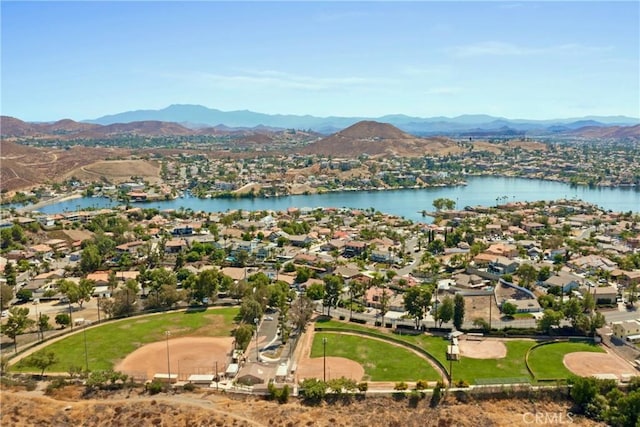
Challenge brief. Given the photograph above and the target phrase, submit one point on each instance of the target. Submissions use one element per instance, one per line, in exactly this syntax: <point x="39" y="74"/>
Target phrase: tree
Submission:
<point x="633" y="293"/>
<point x="549" y="319"/>
<point x="63" y="319"/>
<point x="572" y="311"/>
<point x="314" y="390"/>
<point x="315" y="291"/>
<point x="6" y="295"/>
<point x="206" y="285"/>
<point x="583" y="390"/>
<point x="243" y="334"/>
<point x="91" y="259"/>
<point x="527" y="274"/>
<point x="43" y="323"/>
<point x="458" y="311"/>
<point x="10" y="274"/>
<point x="445" y="311"/>
<point x="482" y="324"/>
<point x="250" y="310"/>
<point x="509" y="309"/>
<point x="383" y="304"/>
<point x="42" y="360"/>
<point x="416" y="302"/>
<point x="443" y="203"/>
<point x="24" y="295"/>
<point x="17" y="323"/>
<point x="332" y="288"/>
<point x="301" y="312"/>
<point x="544" y="273"/>
<point x="123" y="301"/>
<point x="85" y="290"/>
<point x="588" y="302"/>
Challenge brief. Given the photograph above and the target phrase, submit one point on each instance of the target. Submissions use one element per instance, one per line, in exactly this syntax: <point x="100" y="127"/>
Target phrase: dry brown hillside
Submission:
<point x="207" y="409"/>
<point x="375" y="139"/>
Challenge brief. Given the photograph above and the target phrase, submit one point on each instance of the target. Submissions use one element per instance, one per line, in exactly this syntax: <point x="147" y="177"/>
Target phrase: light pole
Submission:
<point x="257" y="321"/>
<point x="39" y="331"/>
<point x="324" y="359"/>
<point x="167" y="333"/>
<point x="86" y="355"/>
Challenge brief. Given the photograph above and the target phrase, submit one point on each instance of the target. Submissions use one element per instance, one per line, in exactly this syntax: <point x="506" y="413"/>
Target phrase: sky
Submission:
<point x="528" y="60"/>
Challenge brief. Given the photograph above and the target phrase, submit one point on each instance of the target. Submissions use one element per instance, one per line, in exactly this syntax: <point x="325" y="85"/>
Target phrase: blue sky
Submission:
<point x="534" y="60"/>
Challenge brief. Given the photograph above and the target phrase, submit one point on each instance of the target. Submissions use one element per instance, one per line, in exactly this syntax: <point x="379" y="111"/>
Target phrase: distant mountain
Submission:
<point x="613" y="132"/>
<point x="203" y="116"/>
<point x="375" y="139"/>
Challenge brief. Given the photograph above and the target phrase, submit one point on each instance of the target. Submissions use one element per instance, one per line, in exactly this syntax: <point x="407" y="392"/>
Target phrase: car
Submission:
<point x="268" y="318"/>
<point x="5" y="313"/>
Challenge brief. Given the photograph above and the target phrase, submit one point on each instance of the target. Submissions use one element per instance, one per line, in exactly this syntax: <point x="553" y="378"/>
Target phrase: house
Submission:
<point x="382" y="256"/>
<point x="130" y="247"/>
<point x="591" y="263"/>
<point x="374" y="295"/>
<point x="137" y="196"/>
<point x="354" y="248"/>
<point x="502" y="265"/>
<point x="605" y="294"/>
<point x="628" y="278"/>
<point x="567" y="282"/>
<point x="175" y="245"/>
<point x="502" y="249"/>
<point x="532" y="226"/>
<point x="628" y="330"/>
<point x="301" y="241"/>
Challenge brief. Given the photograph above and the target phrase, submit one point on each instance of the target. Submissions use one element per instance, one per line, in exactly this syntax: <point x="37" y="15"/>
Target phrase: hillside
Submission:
<point x="208" y="409"/>
<point x="376" y="139"/>
<point x="609" y="132"/>
<point x="23" y="166"/>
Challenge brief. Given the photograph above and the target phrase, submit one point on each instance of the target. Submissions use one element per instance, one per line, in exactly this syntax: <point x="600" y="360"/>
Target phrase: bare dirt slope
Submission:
<point x="206" y="409"/>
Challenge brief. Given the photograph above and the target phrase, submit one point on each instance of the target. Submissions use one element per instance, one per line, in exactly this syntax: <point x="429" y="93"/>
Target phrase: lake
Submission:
<point x="408" y="203"/>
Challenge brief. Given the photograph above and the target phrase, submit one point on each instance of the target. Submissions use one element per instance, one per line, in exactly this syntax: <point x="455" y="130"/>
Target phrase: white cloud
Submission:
<point x="264" y="79"/>
<point x="493" y="48"/>
<point x="443" y="90"/>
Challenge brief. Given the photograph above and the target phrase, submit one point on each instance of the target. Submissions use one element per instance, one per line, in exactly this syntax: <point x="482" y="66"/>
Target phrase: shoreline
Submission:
<point x="51" y="201"/>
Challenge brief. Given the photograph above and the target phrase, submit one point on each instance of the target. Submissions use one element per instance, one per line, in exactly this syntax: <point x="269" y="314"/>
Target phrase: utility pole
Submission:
<point x="167" y="333"/>
<point x="324" y="359"/>
<point x="257" y="322"/>
<point x="86" y="354"/>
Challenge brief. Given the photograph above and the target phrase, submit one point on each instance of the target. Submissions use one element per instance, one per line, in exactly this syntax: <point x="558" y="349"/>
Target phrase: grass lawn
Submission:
<point x="111" y="342"/>
<point x="381" y="361"/>
<point x="469" y="369"/>
<point x="546" y="361"/>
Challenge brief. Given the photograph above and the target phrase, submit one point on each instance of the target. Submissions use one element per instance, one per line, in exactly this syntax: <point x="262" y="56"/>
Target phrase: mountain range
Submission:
<point x="198" y="116"/>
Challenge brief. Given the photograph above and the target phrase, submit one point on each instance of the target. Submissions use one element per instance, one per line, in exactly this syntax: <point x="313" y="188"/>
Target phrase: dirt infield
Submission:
<point x="189" y="355"/>
<point x="587" y="364"/>
<point x="484" y="349"/>
<point x="314" y="367"/>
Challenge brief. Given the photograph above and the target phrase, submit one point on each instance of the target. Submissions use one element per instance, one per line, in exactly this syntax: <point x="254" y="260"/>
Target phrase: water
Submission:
<point x="408" y="203"/>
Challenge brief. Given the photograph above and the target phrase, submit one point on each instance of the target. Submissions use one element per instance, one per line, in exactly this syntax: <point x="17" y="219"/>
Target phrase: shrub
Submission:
<point x="55" y="384"/>
<point x="314" y="390"/>
<point x="401" y="386"/>
<point x="436" y="396"/>
<point x="363" y="387"/>
<point x="189" y="387"/>
<point x="154" y="387"/>
<point x="422" y="384"/>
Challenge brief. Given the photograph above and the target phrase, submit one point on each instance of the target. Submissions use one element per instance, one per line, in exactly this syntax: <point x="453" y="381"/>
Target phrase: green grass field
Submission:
<point x="546" y="360"/>
<point x="381" y="361"/>
<point x="111" y="342"/>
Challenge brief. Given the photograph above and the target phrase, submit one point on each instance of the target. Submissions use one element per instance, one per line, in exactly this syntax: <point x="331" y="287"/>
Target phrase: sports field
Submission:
<point x="108" y="344"/>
